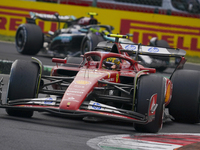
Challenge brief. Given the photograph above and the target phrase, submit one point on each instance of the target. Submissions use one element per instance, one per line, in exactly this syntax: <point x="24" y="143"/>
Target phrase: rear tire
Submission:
<point x="85" y="46"/>
<point x="23" y="83"/>
<point x="29" y="39"/>
<point x="90" y="42"/>
<point x="185" y="105"/>
<point x="147" y="86"/>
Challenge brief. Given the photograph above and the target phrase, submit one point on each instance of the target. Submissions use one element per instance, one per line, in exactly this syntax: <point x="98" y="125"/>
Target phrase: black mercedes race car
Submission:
<point x="66" y="41"/>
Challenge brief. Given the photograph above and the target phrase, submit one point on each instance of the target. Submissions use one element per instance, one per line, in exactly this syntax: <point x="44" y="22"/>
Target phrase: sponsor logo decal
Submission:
<point x="48" y="102"/>
<point x="70" y="98"/>
<point x="82" y="82"/>
<point x="153" y="105"/>
<point x="99" y="106"/>
<point x="130" y="47"/>
<point x="91" y="74"/>
<point x="177" y="35"/>
<point x="110" y="79"/>
<point x="153" y="50"/>
<point x="10" y="20"/>
<point x="96" y="106"/>
<point x="79" y="86"/>
<point x="74" y="92"/>
<point x="65" y="40"/>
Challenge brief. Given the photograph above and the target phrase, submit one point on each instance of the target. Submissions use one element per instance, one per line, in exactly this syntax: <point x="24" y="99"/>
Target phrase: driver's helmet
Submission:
<point x="111" y="63"/>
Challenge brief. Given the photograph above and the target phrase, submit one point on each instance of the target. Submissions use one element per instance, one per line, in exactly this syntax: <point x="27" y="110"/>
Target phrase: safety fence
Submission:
<point x="187" y="8"/>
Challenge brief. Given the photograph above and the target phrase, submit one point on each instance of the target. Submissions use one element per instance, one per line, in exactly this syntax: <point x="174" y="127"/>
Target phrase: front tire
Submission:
<point x="29" y="39"/>
<point x="185" y="102"/>
<point x="147" y="86"/>
<point x="23" y="83"/>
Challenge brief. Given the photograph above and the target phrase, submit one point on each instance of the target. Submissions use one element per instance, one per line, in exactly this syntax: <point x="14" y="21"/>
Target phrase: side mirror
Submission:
<point x="57" y="60"/>
<point x="150" y="70"/>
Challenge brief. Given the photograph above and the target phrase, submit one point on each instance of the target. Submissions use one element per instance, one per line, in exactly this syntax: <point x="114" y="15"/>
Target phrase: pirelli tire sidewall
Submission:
<point x="90" y="41"/>
<point x="86" y="45"/>
<point x="23" y="83"/>
<point x="29" y="39"/>
<point x="185" y="103"/>
<point x="149" y="85"/>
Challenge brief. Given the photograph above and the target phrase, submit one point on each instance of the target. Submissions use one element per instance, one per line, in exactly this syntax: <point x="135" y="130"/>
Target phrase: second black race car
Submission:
<point x="64" y="41"/>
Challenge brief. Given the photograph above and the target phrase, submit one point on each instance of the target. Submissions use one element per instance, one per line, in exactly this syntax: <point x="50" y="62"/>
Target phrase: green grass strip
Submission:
<point x="7" y="38"/>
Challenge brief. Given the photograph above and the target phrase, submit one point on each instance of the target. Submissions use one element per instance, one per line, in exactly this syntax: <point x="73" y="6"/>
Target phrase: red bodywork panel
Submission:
<point x="82" y="85"/>
<point x="87" y="77"/>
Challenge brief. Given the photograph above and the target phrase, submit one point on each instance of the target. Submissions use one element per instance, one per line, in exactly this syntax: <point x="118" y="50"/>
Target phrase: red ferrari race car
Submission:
<point x="106" y="85"/>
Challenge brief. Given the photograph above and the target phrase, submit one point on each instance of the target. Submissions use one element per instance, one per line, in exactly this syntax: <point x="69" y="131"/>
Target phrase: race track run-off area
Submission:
<point x="147" y="142"/>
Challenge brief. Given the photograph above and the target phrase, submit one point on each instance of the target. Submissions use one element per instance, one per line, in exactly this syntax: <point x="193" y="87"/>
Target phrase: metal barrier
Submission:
<point x="168" y="7"/>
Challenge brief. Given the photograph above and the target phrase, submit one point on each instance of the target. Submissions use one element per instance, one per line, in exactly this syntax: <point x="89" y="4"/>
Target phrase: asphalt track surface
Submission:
<point x="47" y="132"/>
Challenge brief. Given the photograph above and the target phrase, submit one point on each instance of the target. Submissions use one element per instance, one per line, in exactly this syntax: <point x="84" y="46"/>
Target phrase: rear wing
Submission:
<point x="151" y="50"/>
<point x="52" y="17"/>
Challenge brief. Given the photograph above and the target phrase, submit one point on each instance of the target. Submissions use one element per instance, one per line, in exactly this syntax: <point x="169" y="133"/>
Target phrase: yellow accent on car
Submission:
<point x="92" y="13"/>
<point x="68" y="104"/>
<point x="117" y="77"/>
<point x="82" y="82"/>
<point x="117" y="35"/>
<point x="168" y="93"/>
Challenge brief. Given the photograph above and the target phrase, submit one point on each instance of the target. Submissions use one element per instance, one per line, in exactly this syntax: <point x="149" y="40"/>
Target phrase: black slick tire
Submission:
<point x="29" y="39"/>
<point x="90" y="41"/>
<point x="85" y="46"/>
<point x="185" y="102"/>
<point x="147" y="86"/>
<point x="23" y="83"/>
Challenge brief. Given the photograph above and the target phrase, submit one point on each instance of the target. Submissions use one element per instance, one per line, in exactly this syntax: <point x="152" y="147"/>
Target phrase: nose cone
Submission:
<point x="78" y="90"/>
